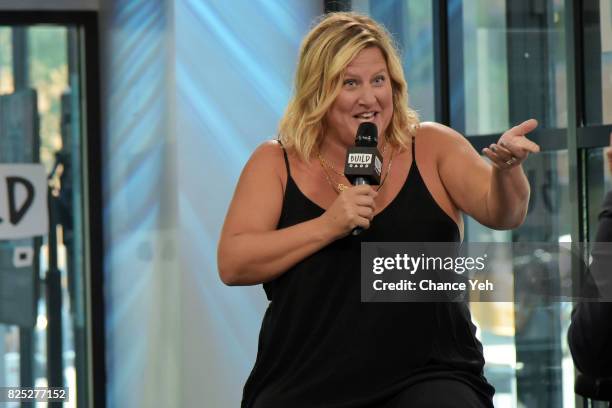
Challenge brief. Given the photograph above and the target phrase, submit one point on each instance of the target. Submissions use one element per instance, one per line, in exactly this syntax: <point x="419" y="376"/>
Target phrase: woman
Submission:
<point x="289" y="225"/>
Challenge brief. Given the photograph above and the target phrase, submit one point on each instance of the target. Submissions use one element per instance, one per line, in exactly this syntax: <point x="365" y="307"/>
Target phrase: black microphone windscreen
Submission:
<point x="367" y="135"/>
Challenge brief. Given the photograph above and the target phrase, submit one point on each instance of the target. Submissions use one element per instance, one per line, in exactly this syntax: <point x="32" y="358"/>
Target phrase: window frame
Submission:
<point x="581" y="28"/>
<point x="89" y="46"/>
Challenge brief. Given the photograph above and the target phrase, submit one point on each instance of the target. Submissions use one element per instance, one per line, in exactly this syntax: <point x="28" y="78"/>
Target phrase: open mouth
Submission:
<point x="366" y="116"/>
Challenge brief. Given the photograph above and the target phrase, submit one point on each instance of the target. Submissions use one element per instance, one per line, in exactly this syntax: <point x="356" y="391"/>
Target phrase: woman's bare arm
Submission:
<point x="496" y="195"/>
<point x="251" y="250"/>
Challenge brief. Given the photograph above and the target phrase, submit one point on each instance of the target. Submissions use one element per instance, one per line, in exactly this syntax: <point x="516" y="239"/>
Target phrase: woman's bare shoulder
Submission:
<point x="267" y="164"/>
<point x="269" y="155"/>
<point x="270" y="149"/>
<point x="440" y="138"/>
<point x="437" y="131"/>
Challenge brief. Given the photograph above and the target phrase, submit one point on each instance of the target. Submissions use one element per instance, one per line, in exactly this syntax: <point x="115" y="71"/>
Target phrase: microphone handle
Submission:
<point x="358" y="182"/>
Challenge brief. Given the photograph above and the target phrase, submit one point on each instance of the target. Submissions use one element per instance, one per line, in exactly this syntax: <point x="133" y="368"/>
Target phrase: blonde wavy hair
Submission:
<point x="325" y="53"/>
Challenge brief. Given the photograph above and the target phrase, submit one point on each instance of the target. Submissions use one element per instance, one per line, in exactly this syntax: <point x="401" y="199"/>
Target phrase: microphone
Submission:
<point x="363" y="161"/>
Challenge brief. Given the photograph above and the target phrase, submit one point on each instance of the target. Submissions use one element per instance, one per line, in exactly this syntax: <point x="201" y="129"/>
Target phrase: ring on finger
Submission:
<point x="511" y="161"/>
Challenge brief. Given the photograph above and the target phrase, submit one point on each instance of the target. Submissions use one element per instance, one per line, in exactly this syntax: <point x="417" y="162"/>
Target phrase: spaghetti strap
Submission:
<point x="286" y="158"/>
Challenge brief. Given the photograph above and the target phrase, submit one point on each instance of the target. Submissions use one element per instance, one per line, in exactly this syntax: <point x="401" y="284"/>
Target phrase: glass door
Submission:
<point x="43" y="245"/>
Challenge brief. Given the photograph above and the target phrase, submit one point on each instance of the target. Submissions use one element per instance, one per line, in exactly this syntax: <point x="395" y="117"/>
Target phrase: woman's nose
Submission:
<point x="367" y="96"/>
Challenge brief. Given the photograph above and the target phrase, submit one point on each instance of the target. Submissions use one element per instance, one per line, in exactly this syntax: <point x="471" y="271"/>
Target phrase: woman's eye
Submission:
<point x="350" y="82"/>
<point x="379" y="80"/>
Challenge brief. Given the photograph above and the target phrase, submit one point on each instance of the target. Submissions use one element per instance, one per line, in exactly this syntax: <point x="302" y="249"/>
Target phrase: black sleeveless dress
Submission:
<point x="319" y="346"/>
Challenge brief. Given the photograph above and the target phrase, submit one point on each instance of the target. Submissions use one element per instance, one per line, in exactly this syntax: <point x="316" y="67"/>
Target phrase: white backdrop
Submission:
<point x="190" y="88"/>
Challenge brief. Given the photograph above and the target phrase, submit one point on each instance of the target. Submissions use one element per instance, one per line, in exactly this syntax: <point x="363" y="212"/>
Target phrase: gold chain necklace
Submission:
<point x="339" y="187"/>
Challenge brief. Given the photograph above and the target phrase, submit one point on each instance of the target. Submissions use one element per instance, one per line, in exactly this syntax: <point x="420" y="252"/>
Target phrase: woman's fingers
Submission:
<point x="503" y="153"/>
<point x="514" y="139"/>
<point x="491" y="155"/>
<point x="363" y="222"/>
<point x="354" y="207"/>
<point x="502" y="158"/>
<point x="366" y="212"/>
<point x="513" y="147"/>
<point x="366" y="206"/>
<point x="518" y="144"/>
<point x="363" y="190"/>
<point x="513" y="153"/>
<point x="365" y="200"/>
<point x="522" y="129"/>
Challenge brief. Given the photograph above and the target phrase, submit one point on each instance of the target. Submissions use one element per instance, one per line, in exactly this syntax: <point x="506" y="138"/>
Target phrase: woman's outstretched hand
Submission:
<point x="513" y="147"/>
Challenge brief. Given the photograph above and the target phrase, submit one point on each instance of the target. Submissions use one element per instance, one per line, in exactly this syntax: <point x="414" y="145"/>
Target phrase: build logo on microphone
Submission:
<point x="359" y="159"/>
